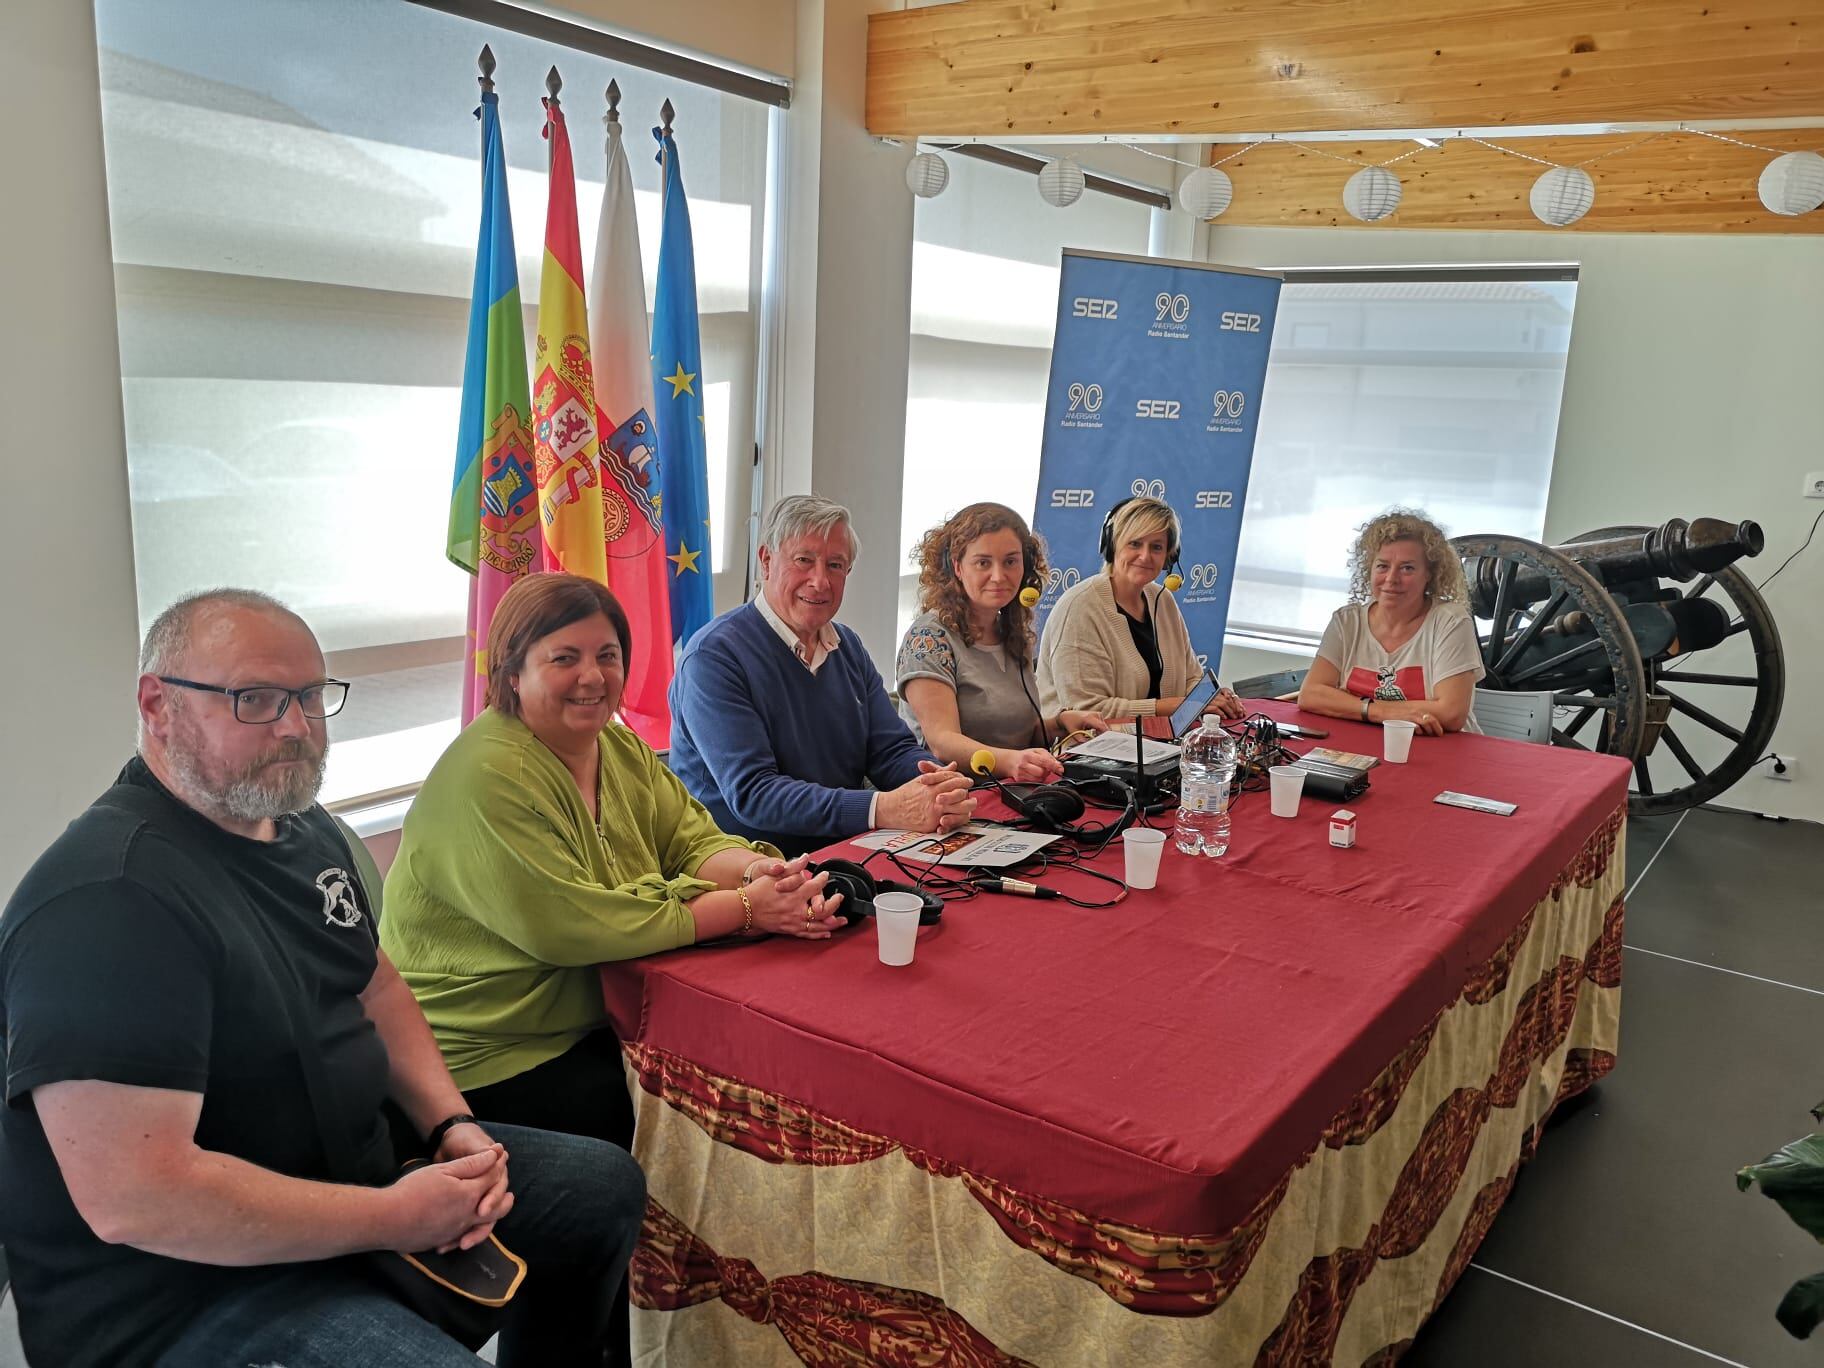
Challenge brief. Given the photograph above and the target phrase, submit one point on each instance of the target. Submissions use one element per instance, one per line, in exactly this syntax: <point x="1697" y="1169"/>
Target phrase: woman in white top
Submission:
<point x="965" y="666"/>
<point x="1404" y="647"/>
<point x="1116" y="644"/>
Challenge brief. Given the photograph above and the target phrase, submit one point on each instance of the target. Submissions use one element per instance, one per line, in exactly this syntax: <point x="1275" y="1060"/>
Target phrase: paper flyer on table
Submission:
<point x="978" y="843"/>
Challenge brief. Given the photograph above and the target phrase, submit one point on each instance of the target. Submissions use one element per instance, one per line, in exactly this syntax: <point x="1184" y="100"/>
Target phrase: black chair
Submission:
<point x="1270" y="685"/>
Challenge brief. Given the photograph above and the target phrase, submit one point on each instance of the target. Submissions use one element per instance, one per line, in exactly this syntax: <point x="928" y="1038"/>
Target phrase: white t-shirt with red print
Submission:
<point x="1445" y="645"/>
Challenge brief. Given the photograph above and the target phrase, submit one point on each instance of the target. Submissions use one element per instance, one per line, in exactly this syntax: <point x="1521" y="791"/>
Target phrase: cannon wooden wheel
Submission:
<point x="1511" y="628"/>
<point x="1740" y="713"/>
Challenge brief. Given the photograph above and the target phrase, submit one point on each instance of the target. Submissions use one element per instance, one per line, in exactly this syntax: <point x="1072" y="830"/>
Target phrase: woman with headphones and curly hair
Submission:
<point x="965" y="666"/>
<point x="1404" y="647"/>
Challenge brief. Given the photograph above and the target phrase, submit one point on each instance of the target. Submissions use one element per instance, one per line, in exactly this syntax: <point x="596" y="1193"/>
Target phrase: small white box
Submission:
<point x="1342" y="828"/>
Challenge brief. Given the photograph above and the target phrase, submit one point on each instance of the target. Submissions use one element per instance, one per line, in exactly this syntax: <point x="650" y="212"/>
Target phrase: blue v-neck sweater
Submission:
<point x="775" y="752"/>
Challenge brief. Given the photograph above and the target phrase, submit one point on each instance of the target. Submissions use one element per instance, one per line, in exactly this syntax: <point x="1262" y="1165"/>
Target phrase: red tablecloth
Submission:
<point x="1164" y="1061"/>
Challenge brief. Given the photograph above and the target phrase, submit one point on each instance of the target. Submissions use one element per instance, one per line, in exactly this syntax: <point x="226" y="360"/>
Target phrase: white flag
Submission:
<point x="620" y="348"/>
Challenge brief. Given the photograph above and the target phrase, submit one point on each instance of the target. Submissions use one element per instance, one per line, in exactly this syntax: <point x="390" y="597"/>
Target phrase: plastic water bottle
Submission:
<point x="1206" y="765"/>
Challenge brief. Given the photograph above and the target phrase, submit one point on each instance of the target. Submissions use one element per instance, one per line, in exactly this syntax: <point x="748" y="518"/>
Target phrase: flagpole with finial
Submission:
<point x="485" y="64"/>
<point x="613" y="116"/>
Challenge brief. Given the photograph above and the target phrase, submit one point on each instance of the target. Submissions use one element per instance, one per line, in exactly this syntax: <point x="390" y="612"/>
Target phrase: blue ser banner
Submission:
<point x="1156" y="375"/>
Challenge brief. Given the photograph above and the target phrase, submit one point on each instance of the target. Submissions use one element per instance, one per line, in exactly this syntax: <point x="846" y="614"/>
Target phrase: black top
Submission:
<point x="1146" y="641"/>
<point x="132" y="953"/>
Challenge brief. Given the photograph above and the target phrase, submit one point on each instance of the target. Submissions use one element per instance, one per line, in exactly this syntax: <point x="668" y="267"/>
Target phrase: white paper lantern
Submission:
<point x="1562" y="195"/>
<point x="1061" y="183"/>
<point x="1793" y="184"/>
<point x="1372" y="193"/>
<point x="1205" y="193"/>
<point x="927" y="174"/>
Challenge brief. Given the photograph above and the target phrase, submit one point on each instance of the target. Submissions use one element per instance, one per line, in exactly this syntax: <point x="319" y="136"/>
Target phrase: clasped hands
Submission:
<point x="789" y="901"/>
<point x="938" y="799"/>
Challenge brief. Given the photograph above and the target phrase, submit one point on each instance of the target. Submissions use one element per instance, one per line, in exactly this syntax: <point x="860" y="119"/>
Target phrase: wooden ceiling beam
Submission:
<point x="1007" y="68"/>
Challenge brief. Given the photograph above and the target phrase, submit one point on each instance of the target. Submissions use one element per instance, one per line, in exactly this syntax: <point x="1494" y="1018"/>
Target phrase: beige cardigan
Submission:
<point x="1087" y="658"/>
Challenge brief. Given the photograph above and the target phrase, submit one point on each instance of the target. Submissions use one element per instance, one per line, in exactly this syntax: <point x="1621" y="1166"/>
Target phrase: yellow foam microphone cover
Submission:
<point x="1174" y="582"/>
<point x="1029" y="597"/>
<point x="982" y="762"/>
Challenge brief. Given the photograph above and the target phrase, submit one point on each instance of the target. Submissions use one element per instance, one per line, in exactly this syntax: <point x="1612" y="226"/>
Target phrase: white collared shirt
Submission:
<point x="827" y="639"/>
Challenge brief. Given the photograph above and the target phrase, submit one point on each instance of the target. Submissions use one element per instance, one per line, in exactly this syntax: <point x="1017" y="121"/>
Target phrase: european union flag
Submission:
<point x="677" y="376"/>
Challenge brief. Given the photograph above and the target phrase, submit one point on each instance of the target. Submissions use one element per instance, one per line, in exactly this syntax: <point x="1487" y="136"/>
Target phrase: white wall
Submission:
<point x="68" y="613"/>
<point x="839" y="427"/>
<point x="1693" y="389"/>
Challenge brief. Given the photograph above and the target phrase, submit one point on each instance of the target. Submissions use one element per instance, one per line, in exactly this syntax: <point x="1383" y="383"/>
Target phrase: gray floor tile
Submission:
<point x="1489" y="1323"/>
<point x="1645" y="837"/>
<point x="1631" y="1207"/>
<point x="1738" y="891"/>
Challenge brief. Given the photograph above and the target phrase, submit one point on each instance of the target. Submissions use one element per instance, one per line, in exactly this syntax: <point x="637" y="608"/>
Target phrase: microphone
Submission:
<point x="1173" y="580"/>
<point x="1029" y="596"/>
<point x="982" y="762"/>
<point x="1015" y="886"/>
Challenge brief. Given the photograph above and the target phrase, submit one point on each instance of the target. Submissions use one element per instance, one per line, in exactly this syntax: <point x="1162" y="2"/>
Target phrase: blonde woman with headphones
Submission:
<point x="1116" y="644"/>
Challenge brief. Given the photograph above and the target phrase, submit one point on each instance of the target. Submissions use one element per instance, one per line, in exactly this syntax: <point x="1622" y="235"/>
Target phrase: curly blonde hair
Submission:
<point x="940" y="591"/>
<point x="1407" y="524"/>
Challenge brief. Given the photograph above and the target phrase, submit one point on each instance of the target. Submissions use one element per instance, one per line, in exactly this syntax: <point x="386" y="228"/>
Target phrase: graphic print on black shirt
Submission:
<point x="137" y="951"/>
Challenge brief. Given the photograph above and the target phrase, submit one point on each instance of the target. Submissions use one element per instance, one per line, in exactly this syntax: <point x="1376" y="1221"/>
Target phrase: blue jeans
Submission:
<point x="576" y="1215"/>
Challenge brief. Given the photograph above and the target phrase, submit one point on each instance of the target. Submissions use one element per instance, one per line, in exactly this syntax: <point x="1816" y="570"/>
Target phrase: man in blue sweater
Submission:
<point x="779" y="719"/>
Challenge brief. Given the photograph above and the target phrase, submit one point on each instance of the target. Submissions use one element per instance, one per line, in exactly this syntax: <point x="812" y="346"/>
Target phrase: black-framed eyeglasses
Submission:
<point x="257" y="704"/>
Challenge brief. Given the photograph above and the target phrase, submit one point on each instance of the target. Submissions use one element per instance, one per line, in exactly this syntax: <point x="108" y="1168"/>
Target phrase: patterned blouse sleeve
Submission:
<point x="926" y="653"/>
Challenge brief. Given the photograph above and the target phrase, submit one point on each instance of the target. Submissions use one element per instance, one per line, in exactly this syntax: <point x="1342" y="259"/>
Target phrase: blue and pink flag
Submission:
<point x="493" y="531"/>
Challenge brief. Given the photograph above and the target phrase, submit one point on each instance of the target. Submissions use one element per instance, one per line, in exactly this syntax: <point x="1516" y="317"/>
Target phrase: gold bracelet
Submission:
<point x="747" y="912"/>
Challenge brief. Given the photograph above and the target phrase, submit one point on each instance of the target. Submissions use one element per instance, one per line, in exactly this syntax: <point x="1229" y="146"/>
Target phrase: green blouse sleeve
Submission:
<point x="507" y="862"/>
<point x="687" y="834"/>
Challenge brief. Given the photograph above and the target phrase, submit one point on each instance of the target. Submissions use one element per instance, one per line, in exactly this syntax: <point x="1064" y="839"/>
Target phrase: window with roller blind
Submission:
<point x="294" y="189"/>
<point x="1434" y="388"/>
<point x="985" y="262"/>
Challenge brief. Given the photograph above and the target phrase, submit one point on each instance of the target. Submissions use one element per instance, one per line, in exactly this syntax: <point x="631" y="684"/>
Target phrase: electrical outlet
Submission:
<point x="1778" y="766"/>
<point x="1814" y="485"/>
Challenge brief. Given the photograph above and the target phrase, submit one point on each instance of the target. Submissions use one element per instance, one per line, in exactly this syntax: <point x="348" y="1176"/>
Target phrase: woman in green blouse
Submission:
<point x="549" y="838"/>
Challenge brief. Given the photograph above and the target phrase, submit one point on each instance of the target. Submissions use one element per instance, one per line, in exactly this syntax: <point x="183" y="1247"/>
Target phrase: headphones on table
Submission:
<point x="858" y="889"/>
<point x="1174" y="572"/>
<point x="1056" y="808"/>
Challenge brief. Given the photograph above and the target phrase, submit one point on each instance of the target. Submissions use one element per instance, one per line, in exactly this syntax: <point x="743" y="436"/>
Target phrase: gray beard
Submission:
<point x="253" y="796"/>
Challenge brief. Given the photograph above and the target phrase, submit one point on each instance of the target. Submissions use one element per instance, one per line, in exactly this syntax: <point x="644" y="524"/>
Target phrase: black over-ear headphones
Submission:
<point x="858" y="889"/>
<point x="1174" y="572"/>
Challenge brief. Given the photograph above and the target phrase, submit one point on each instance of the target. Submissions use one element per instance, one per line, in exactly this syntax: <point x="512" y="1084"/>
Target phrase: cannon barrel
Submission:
<point x="1677" y="550"/>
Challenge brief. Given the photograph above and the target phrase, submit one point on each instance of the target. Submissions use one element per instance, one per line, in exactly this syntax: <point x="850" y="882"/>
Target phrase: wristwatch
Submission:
<point x="1365" y="703"/>
<point x="434" y="1140"/>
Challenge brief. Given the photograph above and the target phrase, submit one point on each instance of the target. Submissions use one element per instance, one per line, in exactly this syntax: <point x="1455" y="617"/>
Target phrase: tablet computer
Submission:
<point x="1187" y="713"/>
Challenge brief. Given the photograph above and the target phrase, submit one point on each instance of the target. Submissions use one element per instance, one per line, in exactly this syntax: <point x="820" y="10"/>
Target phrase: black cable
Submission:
<point x="1795" y="555"/>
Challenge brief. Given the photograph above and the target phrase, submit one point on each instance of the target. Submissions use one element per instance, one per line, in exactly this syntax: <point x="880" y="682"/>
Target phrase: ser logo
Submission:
<point x="1156" y="408"/>
<point x="1073" y="498"/>
<point x="1213" y="498"/>
<point x="1240" y="322"/>
<point x="1084" y="307"/>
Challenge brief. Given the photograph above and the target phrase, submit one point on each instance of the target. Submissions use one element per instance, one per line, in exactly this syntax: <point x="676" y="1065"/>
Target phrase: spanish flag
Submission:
<point x="566" y="442"/>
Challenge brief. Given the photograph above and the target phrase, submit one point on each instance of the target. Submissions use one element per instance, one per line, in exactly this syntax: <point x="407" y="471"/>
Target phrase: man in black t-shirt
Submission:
<point x="168" y="1191"/>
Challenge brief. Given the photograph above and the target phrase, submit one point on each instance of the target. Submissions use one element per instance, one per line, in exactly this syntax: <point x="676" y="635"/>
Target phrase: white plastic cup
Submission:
<point x="1287" y="782"/>
<point x="1396" y="740"/>
<point x="1143" y="846"/>
<point x="896" y="923"/>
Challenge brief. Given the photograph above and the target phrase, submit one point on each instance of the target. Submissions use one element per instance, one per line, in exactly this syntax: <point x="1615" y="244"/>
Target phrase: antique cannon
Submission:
<point x="1595" y="623"/>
